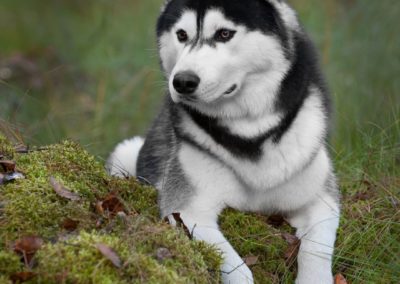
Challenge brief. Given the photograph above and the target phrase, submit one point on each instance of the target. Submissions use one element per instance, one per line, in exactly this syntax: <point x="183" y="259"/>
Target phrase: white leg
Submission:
<point x="233" y="270"/>
<point x="316" y="226"/>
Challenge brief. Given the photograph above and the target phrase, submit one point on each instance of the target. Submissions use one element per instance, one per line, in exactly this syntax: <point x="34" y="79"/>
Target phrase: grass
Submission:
<point x="88" y="70"/>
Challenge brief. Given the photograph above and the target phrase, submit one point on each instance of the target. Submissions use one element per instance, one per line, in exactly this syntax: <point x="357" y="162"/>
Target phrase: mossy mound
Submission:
<point x="31" y="207"/>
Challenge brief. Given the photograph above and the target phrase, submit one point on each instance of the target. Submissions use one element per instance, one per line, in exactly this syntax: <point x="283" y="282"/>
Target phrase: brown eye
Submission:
<point x="182" y="36"/>
<point x="224" y="35"/>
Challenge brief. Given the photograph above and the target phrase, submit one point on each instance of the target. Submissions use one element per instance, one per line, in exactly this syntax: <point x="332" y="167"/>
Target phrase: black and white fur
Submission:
<point x="249" y="134"/>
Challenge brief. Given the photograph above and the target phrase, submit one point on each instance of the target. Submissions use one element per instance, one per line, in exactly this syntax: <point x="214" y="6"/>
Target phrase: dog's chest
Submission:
<point x="276" y="162"/>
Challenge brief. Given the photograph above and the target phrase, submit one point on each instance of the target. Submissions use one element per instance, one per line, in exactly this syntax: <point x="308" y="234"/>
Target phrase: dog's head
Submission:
<point x="214" y="51"/>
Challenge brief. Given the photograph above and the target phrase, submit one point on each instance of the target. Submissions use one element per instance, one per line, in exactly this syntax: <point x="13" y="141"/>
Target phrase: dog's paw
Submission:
<point x="315" y="278"/>
<point x="239" y="275"/>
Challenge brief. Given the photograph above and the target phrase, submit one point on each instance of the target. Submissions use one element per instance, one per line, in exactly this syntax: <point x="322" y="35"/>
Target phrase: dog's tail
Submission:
<point x="122" y="161"/>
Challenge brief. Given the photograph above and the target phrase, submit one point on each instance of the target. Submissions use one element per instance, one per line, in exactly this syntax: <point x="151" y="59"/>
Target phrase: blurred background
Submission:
<point x="88" y="70"/>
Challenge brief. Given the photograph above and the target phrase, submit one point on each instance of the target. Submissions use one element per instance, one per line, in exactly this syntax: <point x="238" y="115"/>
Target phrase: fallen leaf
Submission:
<point x="179" y="223"/>
<point x="8" y="165"/>
<point x="22" y="276"/>
<point x="290" y="239"/>
<point x="163" y="253"/>
<point x="69" y="224"/>
<point x="276" y="220"/>
<point x="339" y="279"/>
<point x="112" y="204"/>
<point x="293" y="248"/>
<point x="110" y="254"/>
<point x="27" y="247"/>
<point x="12" y="177"/>
<point x="251" y="260"/>
<point x="363" y="196"/>
<point x="62" y="191"/>
<point x="21" y="149"/>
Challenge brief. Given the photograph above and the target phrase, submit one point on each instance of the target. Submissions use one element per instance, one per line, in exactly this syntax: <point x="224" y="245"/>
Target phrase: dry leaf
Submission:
<point x="7" y="165"/>
<point x="110" y="254"/>
<point x="27" y="247"/>
<point x="22" y="276"/>
<point x="69" y="224"/>
<point x="21" y="149"/>
<point x="339" y="279"/>
<point x="163" y="253"/>
<point x="293" y="248"/>
<point x="62" y="191"/>
<point x="179" y="223"/>
<point x="12" y="177"/>
<point x="112" y="204"/>
<point x="363" y="196"/>
<point x="251" y="260"/>
<point x="276" y="220"/>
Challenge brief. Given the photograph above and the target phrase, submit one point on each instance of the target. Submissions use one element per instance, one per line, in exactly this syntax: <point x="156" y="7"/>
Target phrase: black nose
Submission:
<point x="186" y="82"/>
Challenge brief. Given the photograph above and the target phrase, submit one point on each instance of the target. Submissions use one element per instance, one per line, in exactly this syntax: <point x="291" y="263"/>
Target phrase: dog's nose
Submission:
<point x="186" y="82"/>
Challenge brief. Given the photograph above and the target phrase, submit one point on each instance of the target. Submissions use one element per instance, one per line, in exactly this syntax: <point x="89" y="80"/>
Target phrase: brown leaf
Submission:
<point x="111" y="205"/>
<point x="29" y="244"/>
<point x="110" y="254"/>
<point x="251" y="260"/>
<point x="339" y="279"/>
<point x="290" y="239"/>
<point x="21" y="149"/>
<point x="163" y="253"/>
<point x="27" y="247"/>
<point x="179" y="223"/>
<point x="62" y="191"/>
<point x="22" y="276"/>
<point x="276" y="220"/>
<point x="363" y="196"/>
<point x="7" y="165"/>
<point x="292" y="250"/>
<point x="69" y="224"/>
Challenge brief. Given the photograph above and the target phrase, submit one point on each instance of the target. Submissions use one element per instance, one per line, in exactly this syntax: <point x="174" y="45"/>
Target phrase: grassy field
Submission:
<point x="88" y="70"/>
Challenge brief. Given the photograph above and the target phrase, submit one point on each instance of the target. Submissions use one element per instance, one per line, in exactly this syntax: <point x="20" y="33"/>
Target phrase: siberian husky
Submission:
<point x="244" y="125"/>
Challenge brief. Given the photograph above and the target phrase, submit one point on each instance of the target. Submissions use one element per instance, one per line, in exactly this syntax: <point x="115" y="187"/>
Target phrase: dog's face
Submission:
<point x="212" y="50"/>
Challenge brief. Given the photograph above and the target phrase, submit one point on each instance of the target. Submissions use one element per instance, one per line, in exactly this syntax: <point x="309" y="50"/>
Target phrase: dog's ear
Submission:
<point x="166" y="2"/>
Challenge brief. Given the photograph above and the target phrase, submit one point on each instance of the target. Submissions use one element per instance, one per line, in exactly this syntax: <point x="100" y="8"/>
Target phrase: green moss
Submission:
<point x="256" y="238"/>
<point x="9" y="263"/>
<point x="85" y="264"/>
<point x="31" y="207"/>
<point x="6" y="149"/>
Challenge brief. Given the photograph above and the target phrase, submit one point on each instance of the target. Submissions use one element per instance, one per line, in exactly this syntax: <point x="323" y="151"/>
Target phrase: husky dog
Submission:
<point x="244" y="125"/>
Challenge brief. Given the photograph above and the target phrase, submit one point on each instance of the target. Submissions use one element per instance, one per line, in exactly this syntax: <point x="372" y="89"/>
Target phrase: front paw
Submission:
<point x="239" y="275"/>
<point x="314" y="278"/>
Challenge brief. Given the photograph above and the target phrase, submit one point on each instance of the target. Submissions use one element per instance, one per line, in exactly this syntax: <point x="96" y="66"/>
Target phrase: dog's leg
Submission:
<point x="316" y="226"/>
<point x="233" y="270"/>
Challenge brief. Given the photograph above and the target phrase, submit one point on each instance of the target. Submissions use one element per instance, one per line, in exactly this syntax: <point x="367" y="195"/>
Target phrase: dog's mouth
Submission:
<point x="231" y="90"/>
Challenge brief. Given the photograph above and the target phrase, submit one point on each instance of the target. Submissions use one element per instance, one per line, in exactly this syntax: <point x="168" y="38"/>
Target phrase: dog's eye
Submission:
<point x="224" y="35"/>
<point x="182" y="36"/>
